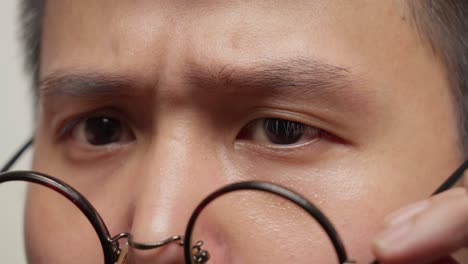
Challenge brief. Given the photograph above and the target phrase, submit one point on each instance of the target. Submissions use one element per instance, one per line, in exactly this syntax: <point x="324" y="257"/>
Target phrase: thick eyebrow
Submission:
<point x="89" y="86"/>
<point x="300" y="75"/>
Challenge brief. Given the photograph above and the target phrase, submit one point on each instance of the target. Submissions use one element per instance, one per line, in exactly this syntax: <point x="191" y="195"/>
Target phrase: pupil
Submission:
<point x="284" y="132"/>
<point x="102" y="130"/>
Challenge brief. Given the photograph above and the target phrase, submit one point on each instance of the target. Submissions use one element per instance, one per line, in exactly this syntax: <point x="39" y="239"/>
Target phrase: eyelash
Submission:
<point x="311" y="134"/>
<point x="279" y="132"/>
<point x="66" y="127"/>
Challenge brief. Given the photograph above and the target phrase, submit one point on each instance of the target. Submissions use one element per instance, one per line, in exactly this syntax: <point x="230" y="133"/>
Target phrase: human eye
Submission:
<point x="277" y="132"/>
<point x="97" y="131"/>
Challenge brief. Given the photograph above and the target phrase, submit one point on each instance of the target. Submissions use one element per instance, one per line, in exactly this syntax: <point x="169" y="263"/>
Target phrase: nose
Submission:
<point x="174" y="176"/>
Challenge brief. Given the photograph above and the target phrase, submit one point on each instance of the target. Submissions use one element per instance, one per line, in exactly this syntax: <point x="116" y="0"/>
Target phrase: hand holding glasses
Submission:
<point x="246" y="208"/>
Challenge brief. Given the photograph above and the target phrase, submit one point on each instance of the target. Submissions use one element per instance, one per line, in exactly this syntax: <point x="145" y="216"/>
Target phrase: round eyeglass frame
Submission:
<point x="110" y="245"/>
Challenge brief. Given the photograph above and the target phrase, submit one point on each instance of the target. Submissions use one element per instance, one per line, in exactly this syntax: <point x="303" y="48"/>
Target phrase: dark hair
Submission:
<point x="31" y="16"/>
<point x="444" y="23"/>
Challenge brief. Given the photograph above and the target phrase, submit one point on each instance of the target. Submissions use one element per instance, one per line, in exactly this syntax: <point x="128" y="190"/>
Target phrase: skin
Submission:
<point x="186" y="89"/>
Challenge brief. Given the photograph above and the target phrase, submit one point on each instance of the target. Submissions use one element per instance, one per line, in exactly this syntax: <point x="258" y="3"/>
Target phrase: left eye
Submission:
<point x="279" y="132"/>
<point x="100" y="131"/>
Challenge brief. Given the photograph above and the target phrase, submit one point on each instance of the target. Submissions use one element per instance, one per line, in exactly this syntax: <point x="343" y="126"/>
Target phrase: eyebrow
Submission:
<point x="86" y="86"/>
<point x="300" y="77"/>
<point x="305" y="75"/>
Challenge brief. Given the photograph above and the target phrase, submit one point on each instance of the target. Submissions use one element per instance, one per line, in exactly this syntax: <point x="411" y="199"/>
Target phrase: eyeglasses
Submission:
<point x="225" y="223"/>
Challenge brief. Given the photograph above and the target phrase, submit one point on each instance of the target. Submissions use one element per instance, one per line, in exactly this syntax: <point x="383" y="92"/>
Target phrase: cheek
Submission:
<point x="256" y="227"/>
<point x="356" y="196"/>
<point x="57" y="232"/>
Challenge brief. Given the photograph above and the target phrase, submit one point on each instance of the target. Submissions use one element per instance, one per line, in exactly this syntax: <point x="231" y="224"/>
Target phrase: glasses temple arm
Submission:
<point x="453" y="179"/>
<point x="17" y="155"/>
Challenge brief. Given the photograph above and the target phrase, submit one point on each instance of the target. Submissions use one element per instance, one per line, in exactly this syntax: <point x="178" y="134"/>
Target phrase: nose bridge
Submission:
<point x="176" y="173"/>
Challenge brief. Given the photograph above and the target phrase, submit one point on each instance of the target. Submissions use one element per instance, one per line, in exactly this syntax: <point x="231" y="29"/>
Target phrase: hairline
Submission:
<point x="434" y="29"/>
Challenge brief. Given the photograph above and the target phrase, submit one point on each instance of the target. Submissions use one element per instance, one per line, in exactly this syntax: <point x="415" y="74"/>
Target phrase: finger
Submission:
<point x="446" y="260"/>
<point x="436" y="228"/>
<point x="414" y="209"/>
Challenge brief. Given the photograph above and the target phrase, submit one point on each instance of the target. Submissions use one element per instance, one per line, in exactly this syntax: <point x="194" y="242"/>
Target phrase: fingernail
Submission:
<point x="406" y="213"/>
<point x="393" y="236"/>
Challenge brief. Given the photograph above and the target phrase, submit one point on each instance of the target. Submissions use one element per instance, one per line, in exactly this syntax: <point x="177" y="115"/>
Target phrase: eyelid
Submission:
<point x="255" y="130"/>
<point x="293" y="116"/>
<point x="68" y="126"/>
<point x="65" y="127"/>
<point x="335" y="132"/>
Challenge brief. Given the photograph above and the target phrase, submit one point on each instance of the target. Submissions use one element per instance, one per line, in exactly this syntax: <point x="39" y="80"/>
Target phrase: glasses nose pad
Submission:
<point x="123" y="255"/>
<point x="200" y="255"/>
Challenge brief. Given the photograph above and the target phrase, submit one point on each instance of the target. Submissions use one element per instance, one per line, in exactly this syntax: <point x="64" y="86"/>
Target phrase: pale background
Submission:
<point x="16" y="123"/>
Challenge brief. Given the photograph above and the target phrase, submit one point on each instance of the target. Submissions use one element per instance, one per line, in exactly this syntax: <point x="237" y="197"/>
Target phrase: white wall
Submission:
<point x="15" y="95"/>
<point x="15" y="126"/>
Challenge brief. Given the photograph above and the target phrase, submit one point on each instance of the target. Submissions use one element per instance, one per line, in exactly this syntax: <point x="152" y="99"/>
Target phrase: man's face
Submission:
<point x="146" y="107"/>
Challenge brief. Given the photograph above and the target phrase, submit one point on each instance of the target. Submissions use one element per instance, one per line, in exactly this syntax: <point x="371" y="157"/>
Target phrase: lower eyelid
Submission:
<point x="78" y="153"/>
<point x="293" y="146"/>
<point x="297" y="154"/>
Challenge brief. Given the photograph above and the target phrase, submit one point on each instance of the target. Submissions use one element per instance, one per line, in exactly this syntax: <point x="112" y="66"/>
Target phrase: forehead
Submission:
<point x="131" y="35"/>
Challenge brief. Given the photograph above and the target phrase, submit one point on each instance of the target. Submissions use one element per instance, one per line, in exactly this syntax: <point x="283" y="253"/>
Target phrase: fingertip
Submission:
<point x="446" y="260"/>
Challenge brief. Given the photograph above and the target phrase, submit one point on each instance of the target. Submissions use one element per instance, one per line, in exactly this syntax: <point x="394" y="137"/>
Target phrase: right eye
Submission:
<point x="279" y="132"/>
<point x="101" y="131"/>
